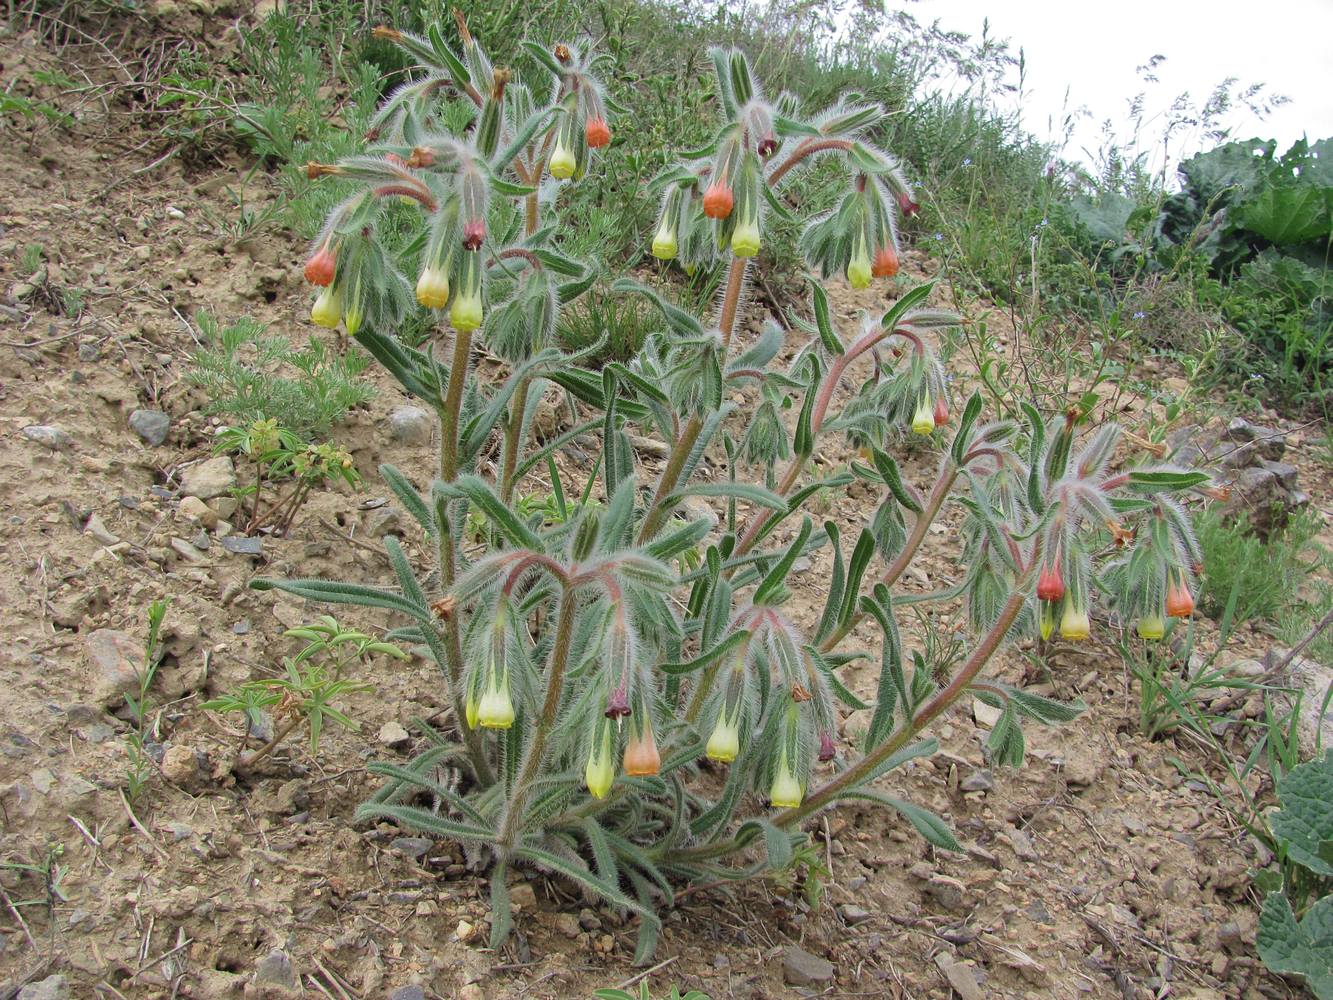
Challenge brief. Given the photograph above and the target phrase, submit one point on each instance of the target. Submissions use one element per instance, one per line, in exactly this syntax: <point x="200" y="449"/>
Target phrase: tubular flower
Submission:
<point x="941" y="413"/>
<point x="496" y="710"/>
<point x="858" y="268"/>
<point x="1179" y="600"/>
<point x="664" y="243"/>
<point x="907" y="205"/>
<point x="601" y="770"/>
<point x="923" y="420"/>
<point x="320" y="267"/>
<point x="886" y="262"/>
<point x="474" y="234"/>
<point x="1050" y="585"/>
<point x="353" y="314"/>
<point x="597" y="133"/>
<point x="466" y="313"/>
<point x="745" y="240"/>
<point x="641" y="757"/>
<point x="1074" y="622"/>
<point x="827" y="749"/>
<point x="433" y="287"/>
<point x="725" y="742"/>
<point x="1046" y="620"/>
<point x="563" y="163"/>
<point x="328" y="308"/>
<point x="718" y="200"/>
<point x="786" y="792"/>
<point x="1151" y="627"/>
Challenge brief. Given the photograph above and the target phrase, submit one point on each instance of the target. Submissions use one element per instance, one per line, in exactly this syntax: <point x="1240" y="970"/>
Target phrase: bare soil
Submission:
<point x="1096" y="871"/>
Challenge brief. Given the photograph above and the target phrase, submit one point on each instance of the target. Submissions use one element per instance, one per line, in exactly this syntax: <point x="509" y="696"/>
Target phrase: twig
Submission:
<point x="632" y="980"/>
<point x="141" y="828"/>
<point x="159" y="960"/>
<point x="19" y="917"/>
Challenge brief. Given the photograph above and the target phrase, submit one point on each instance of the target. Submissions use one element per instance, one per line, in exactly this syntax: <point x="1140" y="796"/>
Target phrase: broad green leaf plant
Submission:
<point x="626" y="715"/>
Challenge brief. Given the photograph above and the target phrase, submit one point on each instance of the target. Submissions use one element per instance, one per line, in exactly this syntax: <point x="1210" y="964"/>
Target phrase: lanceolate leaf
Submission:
<point x="773" y="582"/>
<point x="1165" y="481"/>
<point x="335" y="592"/>
<point x="930" y="826"/>
<point x="829" y="336"/>
<point x="963" y="437"/>
<point x="707" y="657"/>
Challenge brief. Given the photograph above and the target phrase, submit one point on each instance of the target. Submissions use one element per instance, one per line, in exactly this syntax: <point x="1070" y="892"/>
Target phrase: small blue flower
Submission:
<point x="939" y="237"/>
<point x="1140" y="314"/>
<point x="967" y="161"/>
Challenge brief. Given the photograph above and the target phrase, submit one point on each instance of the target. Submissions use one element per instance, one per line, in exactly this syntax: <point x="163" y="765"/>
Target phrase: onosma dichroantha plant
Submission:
<point x="594" y="662"/>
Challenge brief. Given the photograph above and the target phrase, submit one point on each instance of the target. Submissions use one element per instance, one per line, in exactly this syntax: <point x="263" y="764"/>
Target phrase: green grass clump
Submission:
<point x="1267" y="577"/>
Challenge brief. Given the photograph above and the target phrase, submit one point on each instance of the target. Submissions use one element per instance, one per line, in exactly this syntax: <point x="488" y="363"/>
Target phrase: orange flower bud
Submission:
<point x="597" y="133"/>
<point x="718" y="200"/>
<point x="886" y="262"/>
<point x="320" y="267"/>
<point x="641" y="757"/>
<point x="1179" y="600"/>
<point x="941" y="412"/>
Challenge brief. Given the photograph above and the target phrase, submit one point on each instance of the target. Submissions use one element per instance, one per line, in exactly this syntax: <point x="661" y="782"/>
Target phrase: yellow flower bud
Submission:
<point x="1074" y="622"/>
<point x="725" y="742"/>
<point x="328" y="308"/>
<point x="923" y="420"/>
<point x="664" y="243"/>
<point x="745" y="239"/>
<point x="858" y="268"/>
<point x="601" y="770"/>
<point x="433" y="287"/>
<point x="786" y="792"/>
<point x="496" y="710"/>
<point x="563" y="162"/>
<point x="1151" y="627"/>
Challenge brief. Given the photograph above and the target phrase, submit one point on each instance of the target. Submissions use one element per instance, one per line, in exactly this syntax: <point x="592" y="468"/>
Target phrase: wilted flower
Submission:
<point x="827" y="749"/>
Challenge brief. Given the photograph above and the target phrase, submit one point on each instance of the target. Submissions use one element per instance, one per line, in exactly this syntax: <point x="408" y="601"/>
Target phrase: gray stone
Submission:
<point x="186" y="551"/>
<point x="800" y="968"/>
<point x="116" y="658"/>
<point x="413" y="847"/>
<point x="382" y="521"/>
<point x="213" y="478"/>
<point x="392" y="734"/>
<point x="241" y="545"/>
<point x="275" y="969"/>
<point x="50" y="988"/>
<point x="98" y="529"/>
<point x="854" y="914"/>
<point x="409" y="992"/>
<point x="49" y="436"/>
<point x="410" y="425"/>
<point x="151" y="425"/>
<point x="1285" y="474"/>
<point x="1257" y="493"/>
<point x="567" y="924"/>
<point x="977" y="781"/>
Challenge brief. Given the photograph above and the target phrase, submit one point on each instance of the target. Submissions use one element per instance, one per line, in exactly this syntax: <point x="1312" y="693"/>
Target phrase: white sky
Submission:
<point x="1092" y="50"/>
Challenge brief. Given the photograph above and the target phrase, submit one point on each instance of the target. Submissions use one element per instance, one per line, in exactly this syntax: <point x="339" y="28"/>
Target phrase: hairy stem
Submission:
<point x="513" y="433"/>
<point x="511" y="825"/>
<point x="452" y="404"/>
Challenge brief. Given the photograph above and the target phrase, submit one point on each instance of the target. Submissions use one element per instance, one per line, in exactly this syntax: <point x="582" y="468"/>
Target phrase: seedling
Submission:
<point x="140" y="761"/>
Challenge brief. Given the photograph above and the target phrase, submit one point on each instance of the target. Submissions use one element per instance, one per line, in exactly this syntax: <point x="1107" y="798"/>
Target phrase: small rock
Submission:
<point x="242" y="546"/>
<point x="116" y="658"/>
<point x="410" y="992"/>
<point x="800" y="968"/>
<point x="568" y="925"/>
<point x="960" y="977"/>
<point x="410" y="425"/>
<point x="48" y="436"/>
<point x="382" y="521"/>
<point x="186" y="551"/>
<point x="151" y="425"/>
<point x="649" y="446"/>
<point x="523" y="897"/>
<point x="984" y="714"/>
<point x="179" y="765"/>
<point x="1285" y="474"/>
<point x="1082" y="768"/>
<point x="413" y="847"/>
<point x="978" y="781"/>
<point x="854" y="914"/>
<point x="213" y="478"/>
<point x="275" y="969"/>
<point x="589" y="921"/>
<point x="194" y="510"/>
<point x="948" y="892"/>
<point x="465" y="931"/>
<point x="392" y="734"/>
<point x="1022" y="844"/>
<point x="98" y="529"/>
<point x="50" y="988"/>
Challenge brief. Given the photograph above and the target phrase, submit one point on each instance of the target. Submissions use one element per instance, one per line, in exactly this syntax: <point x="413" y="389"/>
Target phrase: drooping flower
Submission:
<point x="641" y="757"/>
<point x="328" y="308"/>
<point x="923" y="420"/>
<point x="941" y="413"/>
<point x="319" y="269"/>
<point x="354" y="311"/>
<point x="1046" y="620"/>
<point x="496" y="710"/>
<point x="1151" y="627"/>
<point x="601" y="770"/>
<point x="563" y="161"/>
<point x="786" y="791"/>
<point x="725" y="742"/>
<point x="596" y="132"/>
<point x="858" y="267"/>
<point x="907" y="205"/>
<point x="466" y="312"/>
<point x="1074" y="622"/>
<point x="664" y="243"/>
<point x="886" y="262"/>
<point x="1050" y="585"/>
<point x="745" y="239"/>
<point x="827" y="749"/>
<point x="718" y="199"/>
<point x="474" y="234"/>
<point x="433" y="287"/>
<point x="1179" y="600"/>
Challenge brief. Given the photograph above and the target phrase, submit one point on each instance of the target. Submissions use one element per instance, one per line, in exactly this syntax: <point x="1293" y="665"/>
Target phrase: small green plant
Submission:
<point x="620" y="325"/>
<point x="140" y="761"/>
<point x="1296" y="924"/>
<point x="643" y="994"/>
<point x="33" y="255"/>
<point x="49" y="871"/>
<point x="250" y="374"/>
<point x="1265" y="576"/>
<point x="281" y="461"/>
<point x="304" y="695"/>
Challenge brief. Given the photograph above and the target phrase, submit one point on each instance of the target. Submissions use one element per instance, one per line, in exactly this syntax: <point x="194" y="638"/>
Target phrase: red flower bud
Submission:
<point x="1050" y="585"/>
<point x="827" y="751"/>
<point x="886" y="262"/>
<point x="473" y="234"/>
<point x="718" y="200"/>
<point x="908" y="206"/>
<point x="617" y="706"/>
<point x="941" y="412"/>
<point x="320" y="267"/>
<point x="768" y="145"/>
<point x="597" y="133"/>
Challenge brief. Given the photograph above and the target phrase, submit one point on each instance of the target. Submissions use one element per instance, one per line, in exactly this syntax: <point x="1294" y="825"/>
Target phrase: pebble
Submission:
<point x="179" y="765"/>
<point x="854" y="914"/>
<point x="49" y="436"/>
<point x="411" y="992"/>
<point x="392" y="734"/>
<point x="413" y="847"/>
<point x="50" y="988"/>
<point x="115" y="657"/>
<point x="978" y="781"/>
<point x="186" y="551"/>
<point x="568" y="925"/>
<point x="151" y="425"/>
<point x="800" y="968"/>
<point x="410" y="425"/>
<point x="382" y="521"/>
<point x="241" y="545"/>
<point x="98" y="529"/>
<point x="213" y="478"/>
<point x="523" y="897"/>
<point x="275" y="969"/>
<point x="196" y="511"/>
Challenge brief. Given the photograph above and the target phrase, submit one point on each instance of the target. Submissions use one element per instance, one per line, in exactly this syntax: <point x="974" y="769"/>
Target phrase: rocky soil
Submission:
<point x="1099" y="870"/>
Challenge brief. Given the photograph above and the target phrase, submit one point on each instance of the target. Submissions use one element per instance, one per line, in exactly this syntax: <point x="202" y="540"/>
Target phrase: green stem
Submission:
<point x="452" y="405"/>
<point x="511" y="825"/>
<point x="513" y="435"/>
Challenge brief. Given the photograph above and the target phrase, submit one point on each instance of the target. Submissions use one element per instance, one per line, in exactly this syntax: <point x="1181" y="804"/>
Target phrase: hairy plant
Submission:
<point x="592" y="667"/>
